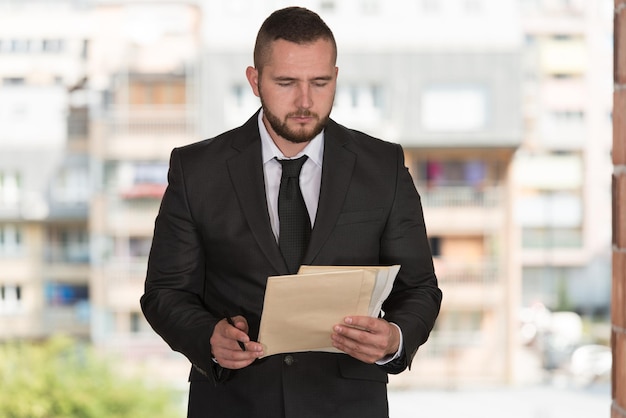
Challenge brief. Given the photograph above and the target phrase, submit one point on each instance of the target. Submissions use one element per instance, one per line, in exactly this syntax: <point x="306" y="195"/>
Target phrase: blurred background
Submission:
<point x="504" y="110"/>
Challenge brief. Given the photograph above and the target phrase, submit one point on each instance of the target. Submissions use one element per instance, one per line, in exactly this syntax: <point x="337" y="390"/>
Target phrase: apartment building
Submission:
<point x="143" y="72"/>
<point x="44" y="174"/>
<point x="563" y="171"/>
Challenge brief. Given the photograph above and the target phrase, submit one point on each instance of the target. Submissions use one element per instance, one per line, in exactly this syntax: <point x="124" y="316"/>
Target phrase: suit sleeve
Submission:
<point x="415" y="299"/>
<point x="172" y="300"/>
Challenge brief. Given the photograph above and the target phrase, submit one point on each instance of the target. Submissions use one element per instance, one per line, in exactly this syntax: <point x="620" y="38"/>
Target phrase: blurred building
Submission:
<point x="563" y="171"/>
<point x="143" y="76"/>
<point x="44" y="171"/>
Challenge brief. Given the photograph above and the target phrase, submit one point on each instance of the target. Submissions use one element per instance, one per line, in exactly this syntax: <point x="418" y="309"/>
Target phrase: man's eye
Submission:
<point x="320" y="83"/>
<point x="285" y="83"/>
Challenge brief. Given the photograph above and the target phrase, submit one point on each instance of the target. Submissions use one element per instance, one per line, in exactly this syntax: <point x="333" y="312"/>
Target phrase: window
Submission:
<point x="84" y="52"/>
<point x="10" y="183"/>
<point x="144" y="180"/>
<point x="463" y="327"/>
<point x="10" y="298"/>
<point x="435" y="246"/>
<point x="19" y="45"/>
<point x="464" y="320"/>
<point x="135" y="322"/>
<point x="52" y="45"/>
<point x="68" y="245"/>
<point x="327" y="5"/>
<point x="562" y="37"/>
<point x="360" y="96"/>
<point x="152" y="173"/>
<point x="10" y="240"/>
<point x="71" y="185"/>
<point x="242" y="98"/>
<point x="568" y="115"/>
<point x="139" y="246"/>
<point x="471" y="173"/>
<point x="238" y="93"/>
<point x="158" y="90"/>
<point x="65" y="294"/>
<point x="13" y="81"/>
<point x="468" y="104"/>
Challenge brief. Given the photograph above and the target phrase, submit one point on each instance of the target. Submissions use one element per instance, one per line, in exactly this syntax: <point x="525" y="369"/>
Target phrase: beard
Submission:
<point x="297" y="135"/>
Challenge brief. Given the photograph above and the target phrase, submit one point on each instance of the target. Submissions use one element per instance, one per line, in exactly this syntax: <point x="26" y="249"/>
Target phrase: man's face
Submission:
<point x="297" y="88"/>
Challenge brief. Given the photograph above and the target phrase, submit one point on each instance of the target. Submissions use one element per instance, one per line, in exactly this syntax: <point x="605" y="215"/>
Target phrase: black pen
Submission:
<point x="230" y="321"/>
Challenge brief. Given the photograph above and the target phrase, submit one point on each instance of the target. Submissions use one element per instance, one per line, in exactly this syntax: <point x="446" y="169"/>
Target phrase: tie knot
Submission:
<point x="292" y="168"/>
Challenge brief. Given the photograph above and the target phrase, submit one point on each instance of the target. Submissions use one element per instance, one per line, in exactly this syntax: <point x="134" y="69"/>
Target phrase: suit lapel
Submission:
<point x="246" y="173"/>
<point x="337" y="171"/>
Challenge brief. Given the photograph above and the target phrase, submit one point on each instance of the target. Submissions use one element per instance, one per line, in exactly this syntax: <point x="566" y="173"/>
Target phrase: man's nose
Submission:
<point x="304" y="98"/>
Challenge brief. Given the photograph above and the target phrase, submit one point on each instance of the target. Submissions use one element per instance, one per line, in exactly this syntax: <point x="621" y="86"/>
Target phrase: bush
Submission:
<point x="61" y="378"/>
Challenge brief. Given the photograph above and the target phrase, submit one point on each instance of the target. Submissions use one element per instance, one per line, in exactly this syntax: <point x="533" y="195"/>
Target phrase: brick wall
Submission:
<point x="618" y="303"/>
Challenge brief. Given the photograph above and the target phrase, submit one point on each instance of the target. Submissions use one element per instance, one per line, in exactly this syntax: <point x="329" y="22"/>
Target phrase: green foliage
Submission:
<point x="61" y="378"/>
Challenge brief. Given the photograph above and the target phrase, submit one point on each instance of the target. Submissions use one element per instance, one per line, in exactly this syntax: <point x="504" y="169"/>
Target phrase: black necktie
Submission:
<point x="295" y="224"/>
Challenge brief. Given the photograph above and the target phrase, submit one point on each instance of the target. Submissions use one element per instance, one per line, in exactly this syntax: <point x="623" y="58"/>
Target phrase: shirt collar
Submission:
<point x="314" y="149"/>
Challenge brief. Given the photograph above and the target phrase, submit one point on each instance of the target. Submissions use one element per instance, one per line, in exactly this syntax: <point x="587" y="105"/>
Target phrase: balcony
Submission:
<point x="463" y="209"/>
<point x="124" y="282"/>
<point x="460" y="196"/>
<point x="469" y="284"/>
<point x="68" y="261"/>
<point x="73" y="320"/>
<point x="146" y="132"/>
<point x="122" y="215"/>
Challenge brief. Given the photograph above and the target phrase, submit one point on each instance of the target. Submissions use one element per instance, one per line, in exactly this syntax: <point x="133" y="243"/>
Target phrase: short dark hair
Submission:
<point x="292" y="24"/>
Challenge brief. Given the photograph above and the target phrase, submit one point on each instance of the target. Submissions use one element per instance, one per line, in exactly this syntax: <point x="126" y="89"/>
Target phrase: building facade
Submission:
<point x="562" y="171"/>
<point x="44" y="172"/>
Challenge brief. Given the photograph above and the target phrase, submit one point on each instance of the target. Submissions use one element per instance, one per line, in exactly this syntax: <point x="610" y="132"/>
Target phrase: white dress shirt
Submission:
<point x="310" y="176"/>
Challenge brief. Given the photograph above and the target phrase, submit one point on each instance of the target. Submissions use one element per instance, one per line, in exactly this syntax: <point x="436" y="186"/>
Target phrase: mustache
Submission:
<point x="302" y="114"/>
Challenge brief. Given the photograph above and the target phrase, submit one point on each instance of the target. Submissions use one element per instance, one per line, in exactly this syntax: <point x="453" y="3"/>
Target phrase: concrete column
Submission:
<point x="618" y="302"/>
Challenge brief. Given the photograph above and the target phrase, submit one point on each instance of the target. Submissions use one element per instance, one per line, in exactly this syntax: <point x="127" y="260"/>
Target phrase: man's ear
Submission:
<point x="252" y="74"/>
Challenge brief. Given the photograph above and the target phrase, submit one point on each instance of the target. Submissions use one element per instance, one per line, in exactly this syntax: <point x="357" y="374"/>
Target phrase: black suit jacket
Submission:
<point x="213" y="250"/>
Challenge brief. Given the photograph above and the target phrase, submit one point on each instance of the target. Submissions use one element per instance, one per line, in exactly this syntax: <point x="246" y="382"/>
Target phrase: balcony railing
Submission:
<point x="455" y="273"/>
<point x="126" y="269"/>
<point x="153" y="122"/>
<point x="442" y="343"/>
<point x="535" y="239"/>
<point x="460" y="196"/>
<point x="76" y="253"/>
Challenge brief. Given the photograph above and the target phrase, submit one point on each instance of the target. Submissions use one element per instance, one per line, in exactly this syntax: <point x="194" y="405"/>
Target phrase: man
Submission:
<point x="216" y="241"/>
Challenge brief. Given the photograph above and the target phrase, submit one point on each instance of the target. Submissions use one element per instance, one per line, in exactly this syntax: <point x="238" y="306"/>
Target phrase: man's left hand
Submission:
<point x="365" y="338"/>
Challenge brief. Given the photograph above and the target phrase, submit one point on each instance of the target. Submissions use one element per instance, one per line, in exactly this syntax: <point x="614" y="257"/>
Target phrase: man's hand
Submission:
<point x="366" y="339"/>
<point x="225" y="344"/>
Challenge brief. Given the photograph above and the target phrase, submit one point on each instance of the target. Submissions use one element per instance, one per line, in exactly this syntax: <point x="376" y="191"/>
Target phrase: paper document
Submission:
<point x="385" y="277"/>
<point x="300" y="310"/>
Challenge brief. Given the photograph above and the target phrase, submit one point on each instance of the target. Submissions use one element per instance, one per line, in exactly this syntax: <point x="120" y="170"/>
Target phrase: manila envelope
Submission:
<point x="300" y="310"/>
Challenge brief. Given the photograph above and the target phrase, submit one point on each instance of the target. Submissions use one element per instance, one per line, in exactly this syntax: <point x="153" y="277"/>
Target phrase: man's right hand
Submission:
<point x="225" y="344"/>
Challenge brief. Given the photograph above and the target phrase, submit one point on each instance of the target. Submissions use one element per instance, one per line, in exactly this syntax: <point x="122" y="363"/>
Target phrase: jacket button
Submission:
<point x="289" y="360"/>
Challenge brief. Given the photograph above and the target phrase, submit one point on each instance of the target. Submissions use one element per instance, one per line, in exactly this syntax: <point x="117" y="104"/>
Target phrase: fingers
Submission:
<point x="226" y="348"/>
<point x="366" y="339"/>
